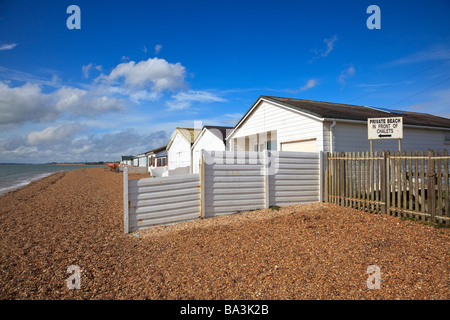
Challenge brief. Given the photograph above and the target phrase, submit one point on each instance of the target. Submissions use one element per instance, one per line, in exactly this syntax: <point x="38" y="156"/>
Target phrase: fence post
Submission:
<point x="126" y="205"/>
<point x="322" y="175"/>
<point x="202" y="184"/>
<point x="431" y="192"/>
<point x="266" y="178"/>
<point x="342" y="194"/>
<point x="384" y="178"/>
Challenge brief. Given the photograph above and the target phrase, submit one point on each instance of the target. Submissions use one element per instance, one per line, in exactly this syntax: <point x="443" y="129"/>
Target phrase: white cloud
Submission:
<point x="158" y="73"/>
<point x="310" y="84"/>
<point x="183" y="100"/>
<point x="8" y="46"/>
<point x="158" y="48"/>
<point x="330" y="42"/>
<point x="330" y="45"/>
<point x="55" y="80"/>
<point x="61" y="143"/>
<point x="87" y="69"/>
<point x="134" y="95"/>
<point x="27" y="103"/>
<point x="347" y="73"/>
<point x="433" y="54"/>
<point x="12" y="74"/>
<point x="436" y="102"/>
<point x="53" y="134"/>
<point x="84" y="103"/>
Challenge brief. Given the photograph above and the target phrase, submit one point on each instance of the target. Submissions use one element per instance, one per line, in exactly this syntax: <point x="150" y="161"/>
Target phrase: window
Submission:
<point x="446" y="137"/>
<point x="272" y="145"/>
<point x="161" y="162"/>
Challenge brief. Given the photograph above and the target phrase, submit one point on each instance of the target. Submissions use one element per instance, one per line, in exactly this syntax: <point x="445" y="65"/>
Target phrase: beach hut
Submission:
<point x="142" y="160"/>
<point x="287" y="124"/>
<point x="127" y="160"/>
<point x="179" y="151"/>
<point x="157" y="161"/>
<point x="210" y="138"/>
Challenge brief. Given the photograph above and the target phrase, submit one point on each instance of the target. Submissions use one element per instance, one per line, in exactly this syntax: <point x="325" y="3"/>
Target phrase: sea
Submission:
<point x="13" y="176"/>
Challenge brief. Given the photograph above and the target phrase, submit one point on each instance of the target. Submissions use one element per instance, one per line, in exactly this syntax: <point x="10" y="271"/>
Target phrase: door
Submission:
<point x="308" y="145"/>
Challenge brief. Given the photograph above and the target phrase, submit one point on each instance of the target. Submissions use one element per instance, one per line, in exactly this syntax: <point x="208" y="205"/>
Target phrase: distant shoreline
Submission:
<point x="14" y="176"/>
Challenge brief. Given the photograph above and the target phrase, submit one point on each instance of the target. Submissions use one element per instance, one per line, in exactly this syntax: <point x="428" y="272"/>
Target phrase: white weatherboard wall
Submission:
<point x="208" y="141"/>
<point x="179" y="153"/>
<point x="349" y="137"/>
<point x="155" y="201"/>
<point x="288" y="124"/>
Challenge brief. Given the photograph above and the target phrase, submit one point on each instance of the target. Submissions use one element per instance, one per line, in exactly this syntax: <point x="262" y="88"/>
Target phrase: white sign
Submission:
<point x="385" y="128"/>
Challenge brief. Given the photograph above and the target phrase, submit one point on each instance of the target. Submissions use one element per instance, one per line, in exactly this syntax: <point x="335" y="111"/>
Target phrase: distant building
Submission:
<point x="128" y="160"/>
<point x="210" y="138"/>
<point x="157" y="161"/>
<point x="179" y="151"/>
<point x="141" y="160"/>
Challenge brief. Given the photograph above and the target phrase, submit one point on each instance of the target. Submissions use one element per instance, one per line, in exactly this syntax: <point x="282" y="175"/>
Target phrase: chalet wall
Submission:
<point x="209" y="141"/>
<point x="179" y="153"/>
<point x="349" y="137"/>
<point x="288" y="124"/>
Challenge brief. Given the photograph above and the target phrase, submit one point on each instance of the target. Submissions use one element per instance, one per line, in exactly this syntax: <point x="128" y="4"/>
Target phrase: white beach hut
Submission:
<point x="288" y="124"/>
<point x="210" y="138"/>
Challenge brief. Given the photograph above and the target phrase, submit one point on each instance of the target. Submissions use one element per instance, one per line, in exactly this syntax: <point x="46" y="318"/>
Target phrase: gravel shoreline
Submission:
<point x="314" y="251"/>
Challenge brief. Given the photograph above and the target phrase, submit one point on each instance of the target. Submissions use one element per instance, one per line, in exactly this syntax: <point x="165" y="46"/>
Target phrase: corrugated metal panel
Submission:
<point x="156" y="201"/>
<point x="296" y="178"/>
<point x="234" y="182"/>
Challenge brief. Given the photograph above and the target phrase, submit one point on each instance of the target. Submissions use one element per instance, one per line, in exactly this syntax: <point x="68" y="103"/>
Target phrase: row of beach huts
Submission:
<point x="287" y="124"/>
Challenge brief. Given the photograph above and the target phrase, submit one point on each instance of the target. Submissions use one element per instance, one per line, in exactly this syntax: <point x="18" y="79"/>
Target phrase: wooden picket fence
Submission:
<point x="407" y="184"/>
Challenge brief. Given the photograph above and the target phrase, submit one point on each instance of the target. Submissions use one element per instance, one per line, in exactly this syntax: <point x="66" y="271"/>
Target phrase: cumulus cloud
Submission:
<point x="8" y="46"/>
<point x="310" y="84"/>
<point x="71" y="143"/>
<point x="27" y="103"/>
<point x="183" y="100"/>
<point x="134" y="95"/>
<point x="84" y="103"/>
<point x="158" y="73"/>
<point x="53" y="134"/>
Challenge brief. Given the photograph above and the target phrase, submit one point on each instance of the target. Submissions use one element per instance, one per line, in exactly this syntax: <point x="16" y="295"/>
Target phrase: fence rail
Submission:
<point x="408" y="184"/>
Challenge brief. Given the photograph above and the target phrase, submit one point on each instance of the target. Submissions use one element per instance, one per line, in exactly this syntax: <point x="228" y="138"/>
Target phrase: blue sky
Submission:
<point x="138" y="69"/>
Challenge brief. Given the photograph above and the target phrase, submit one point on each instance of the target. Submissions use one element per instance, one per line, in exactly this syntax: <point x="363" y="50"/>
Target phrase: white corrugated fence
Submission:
<point x="229" y="182"/>
<point x="154" y="201"/>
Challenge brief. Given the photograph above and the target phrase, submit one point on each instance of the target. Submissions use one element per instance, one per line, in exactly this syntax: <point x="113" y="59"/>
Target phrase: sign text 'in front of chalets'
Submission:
<point x="385" y="128"/>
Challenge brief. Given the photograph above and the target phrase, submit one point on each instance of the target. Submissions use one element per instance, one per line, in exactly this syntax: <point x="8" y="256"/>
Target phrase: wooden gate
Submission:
<point x="407" y="184"/>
